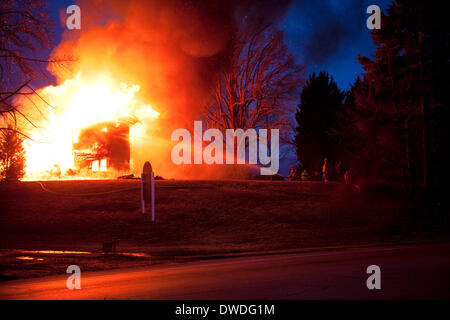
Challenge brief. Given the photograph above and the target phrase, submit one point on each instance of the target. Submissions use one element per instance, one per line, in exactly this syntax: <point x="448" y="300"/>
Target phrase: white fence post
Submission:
<point x="152" y="181"/>
<point x="148" y="189"/>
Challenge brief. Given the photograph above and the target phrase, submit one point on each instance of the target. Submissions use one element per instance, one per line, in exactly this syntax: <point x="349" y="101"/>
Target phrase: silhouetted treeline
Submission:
<point x="393" y="124"/>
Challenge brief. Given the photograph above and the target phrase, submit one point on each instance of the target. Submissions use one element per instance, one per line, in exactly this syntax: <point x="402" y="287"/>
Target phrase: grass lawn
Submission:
<point x="192" y="218"/>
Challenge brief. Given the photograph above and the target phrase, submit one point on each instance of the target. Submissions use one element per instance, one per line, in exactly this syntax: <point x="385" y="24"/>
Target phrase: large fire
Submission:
<point x="72" y="106"/>
<point x="126" y="55"/>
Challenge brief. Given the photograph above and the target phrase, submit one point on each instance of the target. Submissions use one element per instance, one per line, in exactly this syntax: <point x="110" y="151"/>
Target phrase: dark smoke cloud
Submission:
<point x="328" y="24"/>
<point x="177" y="46"/>
<point x="173" y="49"/>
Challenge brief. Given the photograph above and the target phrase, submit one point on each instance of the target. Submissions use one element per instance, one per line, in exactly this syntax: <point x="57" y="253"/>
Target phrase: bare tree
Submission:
<point x="259" y="85"/>
<point x="24" y="31"/>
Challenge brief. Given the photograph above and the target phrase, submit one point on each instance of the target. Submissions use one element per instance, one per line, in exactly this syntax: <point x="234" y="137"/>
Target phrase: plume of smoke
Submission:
<point x="330" y="23"/>
<point x="172" y="49"/>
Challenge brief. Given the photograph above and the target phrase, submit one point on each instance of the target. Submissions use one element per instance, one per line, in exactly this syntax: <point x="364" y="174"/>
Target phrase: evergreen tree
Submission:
<point x="12" y="156"/>
<point x="399" y="117"/>
<point x="316" y="117"/>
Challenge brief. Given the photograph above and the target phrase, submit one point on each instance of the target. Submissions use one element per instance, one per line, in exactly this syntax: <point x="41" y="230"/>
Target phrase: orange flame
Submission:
<point x="75" y="104"/>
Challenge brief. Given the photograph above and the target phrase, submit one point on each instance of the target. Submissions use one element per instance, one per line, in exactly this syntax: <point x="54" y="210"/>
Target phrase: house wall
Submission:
<point x="107" y="140"/>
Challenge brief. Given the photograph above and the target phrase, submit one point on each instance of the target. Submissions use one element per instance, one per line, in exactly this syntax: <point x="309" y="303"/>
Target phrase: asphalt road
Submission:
<point x="407" y="272"/>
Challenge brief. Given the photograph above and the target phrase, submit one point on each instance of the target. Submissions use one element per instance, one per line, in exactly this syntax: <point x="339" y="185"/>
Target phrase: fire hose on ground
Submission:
<point x="112" y="191"/>
<point x="85" y="194"/>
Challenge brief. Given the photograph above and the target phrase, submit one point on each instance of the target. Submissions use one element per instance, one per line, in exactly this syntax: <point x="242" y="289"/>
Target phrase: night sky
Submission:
<point x="325" y="34"/>
<point x="328" y="35"/>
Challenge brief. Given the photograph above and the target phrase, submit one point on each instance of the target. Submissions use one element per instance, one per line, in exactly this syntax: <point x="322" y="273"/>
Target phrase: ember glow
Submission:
<point x="77" y="104"/>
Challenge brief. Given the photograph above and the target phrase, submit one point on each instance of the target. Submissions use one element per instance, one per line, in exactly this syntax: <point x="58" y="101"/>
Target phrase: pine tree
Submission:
<point x="316" y="117"/>
<point x="12" y="156"/>
<point x="401" y="110"/>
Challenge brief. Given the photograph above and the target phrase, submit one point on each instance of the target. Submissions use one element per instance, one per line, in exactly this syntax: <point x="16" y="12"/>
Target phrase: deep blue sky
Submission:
<point x="328" y="34"/>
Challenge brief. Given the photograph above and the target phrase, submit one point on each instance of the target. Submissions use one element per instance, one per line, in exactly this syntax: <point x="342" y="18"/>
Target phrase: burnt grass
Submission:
<point x="193" y="219"/>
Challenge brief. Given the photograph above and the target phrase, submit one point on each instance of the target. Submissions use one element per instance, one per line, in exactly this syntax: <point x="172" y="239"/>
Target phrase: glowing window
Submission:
<point x="95" y="165"/>
<point x="103" y="165"/>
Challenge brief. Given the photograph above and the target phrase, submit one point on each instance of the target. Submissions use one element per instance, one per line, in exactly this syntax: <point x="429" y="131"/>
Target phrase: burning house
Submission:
<point x="103" y="147"/>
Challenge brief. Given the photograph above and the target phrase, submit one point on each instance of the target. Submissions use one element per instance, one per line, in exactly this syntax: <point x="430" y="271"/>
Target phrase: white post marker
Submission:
<point x="148" y="188"/>
<point x="152" y="181"/>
